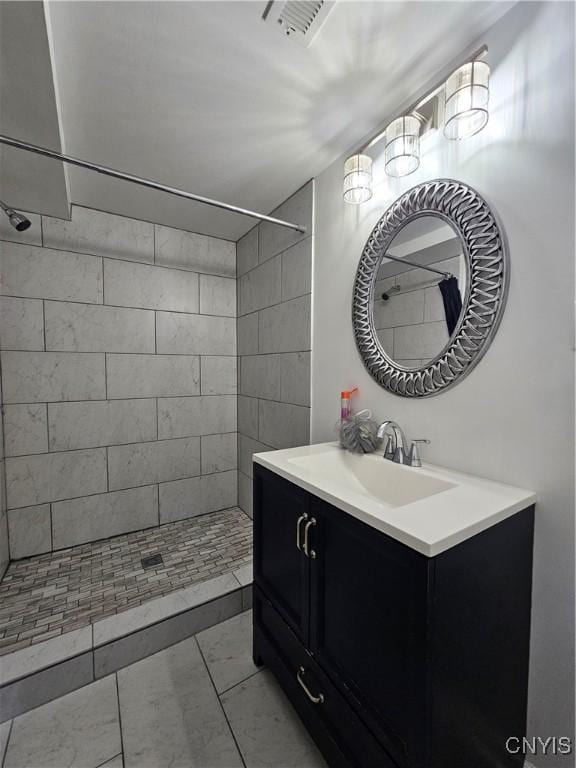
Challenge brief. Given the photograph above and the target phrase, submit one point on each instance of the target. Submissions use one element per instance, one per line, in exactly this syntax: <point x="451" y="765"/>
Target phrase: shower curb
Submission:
<point x="141" y="631"/>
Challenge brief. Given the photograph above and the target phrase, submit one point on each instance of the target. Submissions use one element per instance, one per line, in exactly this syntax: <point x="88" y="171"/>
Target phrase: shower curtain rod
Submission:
<point x="11" y="142"/>
<point x="419" y="266"/>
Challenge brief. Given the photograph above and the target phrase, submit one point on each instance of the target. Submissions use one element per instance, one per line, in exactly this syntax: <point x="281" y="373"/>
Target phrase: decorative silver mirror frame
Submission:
<point x="486" y="287"/>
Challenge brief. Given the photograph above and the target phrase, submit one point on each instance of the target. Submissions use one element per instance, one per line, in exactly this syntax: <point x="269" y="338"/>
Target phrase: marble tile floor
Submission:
<point x="198" y="704"/>
<point x="49" y="595"/>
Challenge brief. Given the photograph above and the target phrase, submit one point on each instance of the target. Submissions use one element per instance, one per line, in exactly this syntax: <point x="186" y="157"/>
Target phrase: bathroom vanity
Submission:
<point x="393" y="606"/>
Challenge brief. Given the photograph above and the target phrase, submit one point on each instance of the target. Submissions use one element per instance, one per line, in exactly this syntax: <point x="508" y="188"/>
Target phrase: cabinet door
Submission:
<point x="281" y="569"/>
<point x="368" y="626"/>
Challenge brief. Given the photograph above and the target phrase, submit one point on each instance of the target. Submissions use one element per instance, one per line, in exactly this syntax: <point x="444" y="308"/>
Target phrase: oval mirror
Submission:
<point x="419" y="291"/>
<point x="430" y="289"/>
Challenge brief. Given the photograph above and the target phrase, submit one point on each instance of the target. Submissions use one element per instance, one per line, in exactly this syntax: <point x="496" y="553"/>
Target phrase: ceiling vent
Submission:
<point x="300" y="20"/>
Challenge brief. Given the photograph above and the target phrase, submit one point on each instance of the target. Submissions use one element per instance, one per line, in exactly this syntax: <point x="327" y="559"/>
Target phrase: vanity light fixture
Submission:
<point x="402" y="146"/>
<point x="358" y="179"/>
<point x="466" y="96"/>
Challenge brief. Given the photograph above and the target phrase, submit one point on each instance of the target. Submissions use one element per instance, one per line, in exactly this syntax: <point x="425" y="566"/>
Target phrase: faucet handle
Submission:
<point x="415" y="460"/>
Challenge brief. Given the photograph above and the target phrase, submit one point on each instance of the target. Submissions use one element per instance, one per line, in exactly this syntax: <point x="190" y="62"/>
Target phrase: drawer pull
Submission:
<point x="308" y="552"/>
<point x="314" y="699"/>
<point x="298" y="524"/>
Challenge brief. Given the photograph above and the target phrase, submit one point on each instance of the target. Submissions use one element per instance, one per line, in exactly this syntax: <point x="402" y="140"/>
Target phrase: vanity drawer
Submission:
<point x="335" y="726"/>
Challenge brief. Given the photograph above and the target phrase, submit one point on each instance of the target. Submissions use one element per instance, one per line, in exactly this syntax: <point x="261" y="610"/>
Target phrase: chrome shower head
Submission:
<point x="18" y="220"/>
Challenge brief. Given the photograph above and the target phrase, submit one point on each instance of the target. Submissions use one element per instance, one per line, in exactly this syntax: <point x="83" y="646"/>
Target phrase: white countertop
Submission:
<point x="457" y="507"/>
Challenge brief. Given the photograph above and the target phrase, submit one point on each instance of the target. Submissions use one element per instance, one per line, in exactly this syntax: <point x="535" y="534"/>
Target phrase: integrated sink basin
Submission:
<point x="428" y="508"/>
<point x="378" y="479"/>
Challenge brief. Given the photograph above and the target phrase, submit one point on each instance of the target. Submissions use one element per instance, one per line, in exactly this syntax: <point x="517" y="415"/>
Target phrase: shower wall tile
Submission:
<point x="145" y="463"/>
<point x="21" y="324"/>
<point x="248" y="416"/>
<point x="109" y="514"/>
<point x="30" y="531"/>
<point x="54" y="476"/>
<point x="107" y="422"/>
<point x="39" y="377"/>
<point x="219" y="453"/>
<point x="150" y="287"/>
<point x="90" y="328"/>
<point x="298" y="210"/>
<point x="260" y="376"/>
<point x="245" y="493"/>
<point x="41" y="273"/>
<point x="247" y="251"/>
<point x="433" y="305"/>
<point x="181" y="334"/>
<point x="400" y="309"/>
<point x="248" y="334"/>
<point x="285" y="327"/>
<point x="282" y="425"/>
<point x="132" y="376"/>
<point x="197" y="496"/>
<point x="31" y="236"/>
<point x="297" y="270"/>
<point x="295" y="378"/>
<point x="217" y="296"/>
<point x="205" y="415"/>
<point x="420" y="341"/>
<point x="200" y="253"/>
<point x="261" y="287"/>
<point x="218" y="375"/>
<point x="25" y="429"/>
<point x="246" y="449"/>
<point x="102" y="234"/>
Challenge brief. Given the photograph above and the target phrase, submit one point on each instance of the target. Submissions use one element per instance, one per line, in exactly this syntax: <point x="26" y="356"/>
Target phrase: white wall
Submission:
<point x="511" y="419"/>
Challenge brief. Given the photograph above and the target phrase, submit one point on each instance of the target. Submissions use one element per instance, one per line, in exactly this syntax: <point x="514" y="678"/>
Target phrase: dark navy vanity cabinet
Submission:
<point x="392" y="659"/>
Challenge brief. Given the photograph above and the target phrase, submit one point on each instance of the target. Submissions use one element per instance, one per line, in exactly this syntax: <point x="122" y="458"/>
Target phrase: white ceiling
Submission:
<point x="208" y="97"/>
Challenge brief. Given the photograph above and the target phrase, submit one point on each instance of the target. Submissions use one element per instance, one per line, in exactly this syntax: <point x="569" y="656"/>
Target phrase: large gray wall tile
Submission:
<point x="30" y="531"/>
<point x="206" y="415"/>
<point x="297" y="270"/>
<point x="248" y="334"/>
<point x="247" y="251"/>
<point x="145" y="463"/>
<point x="248" y="416"/>
<point x="54" y="476"/>
<point x="32" y="235"/>
<point x="245" y="493"/>
<point x="36" y="377"/>
<point x="181" y="334"/>
<point x="130" y="376"/>
<point x="107" y="514"/>
<point x="219" y="453"/>
<point x="295" y="378"/>
<point x="25" y="429"/>
<point x="286" y="327"/>
<point x="150" y="287"/>
<point x="219" y="375"/>
<point x="282" y="425"/>
<point x="247" y="447"/>
<point x="261" y="287"/>
<point x="298" y="210"/>
<point x="217" y="295"/>
<point x="41" y="273"/>
<point x="260" y="376"/>
<point x="197" y="496"/>
<point x="108" y="422"/>
<point x="188" y="250"/>
<point x="90" y="328"/>
<point x="21" y="324"/>
<point x="102" y="234"/>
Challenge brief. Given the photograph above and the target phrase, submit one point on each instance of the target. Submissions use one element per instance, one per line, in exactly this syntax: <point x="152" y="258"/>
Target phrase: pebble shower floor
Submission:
<point x="47" y="595"/>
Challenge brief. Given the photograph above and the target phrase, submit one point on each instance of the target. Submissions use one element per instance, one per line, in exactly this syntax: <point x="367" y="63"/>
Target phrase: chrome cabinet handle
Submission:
<point x="314" y="699"/>
<point x="308" y="552"/>
<point x="298" y="524"/>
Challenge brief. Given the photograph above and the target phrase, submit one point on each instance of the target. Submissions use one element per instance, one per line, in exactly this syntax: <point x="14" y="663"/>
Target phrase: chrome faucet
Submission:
<point x="396" y="448"/>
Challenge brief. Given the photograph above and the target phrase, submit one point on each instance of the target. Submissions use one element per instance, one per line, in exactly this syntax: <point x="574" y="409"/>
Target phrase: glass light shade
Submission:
<point x="402" y="146"/>
<point x="466" y="100"/>
<point x="358" y="179"/>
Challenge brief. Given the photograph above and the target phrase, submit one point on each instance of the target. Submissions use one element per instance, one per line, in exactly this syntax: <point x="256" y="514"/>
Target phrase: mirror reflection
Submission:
<point x="419" y="291"/>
